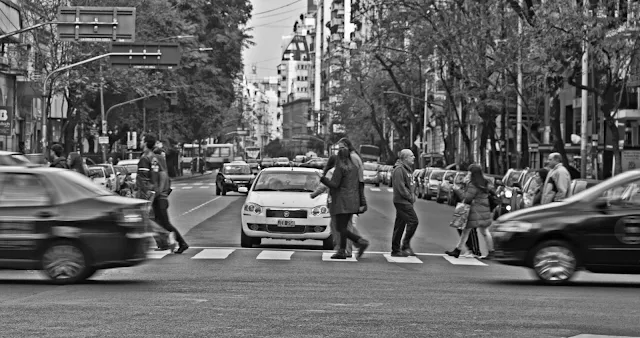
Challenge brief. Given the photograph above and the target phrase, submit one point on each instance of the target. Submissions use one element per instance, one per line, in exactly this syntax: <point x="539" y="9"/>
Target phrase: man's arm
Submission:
<point x="399" y="185"/>
<point x="563" y="181"/>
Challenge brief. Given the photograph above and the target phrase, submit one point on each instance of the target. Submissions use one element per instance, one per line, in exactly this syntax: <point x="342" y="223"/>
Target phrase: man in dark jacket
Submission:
<point x="58" y="161"/>
<point x="403" y="199"/>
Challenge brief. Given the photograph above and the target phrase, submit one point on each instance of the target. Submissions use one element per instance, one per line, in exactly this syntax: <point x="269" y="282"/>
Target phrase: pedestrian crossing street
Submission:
<point x="212" y="185"/>
<point x="202" y="253"/>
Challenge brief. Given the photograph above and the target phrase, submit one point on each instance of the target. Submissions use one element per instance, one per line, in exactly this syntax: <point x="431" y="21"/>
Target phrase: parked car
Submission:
<point x="596" y="230"/>
<point x="434" y="181"/>
<point x="234" y="176"/>
<point x="388" y="175"/>
<point x="279" y="206"/>
<point x="267" y="162"/>
<point x="131" y="165"/>
<point x="581" y="184"/>
<point x="421" y="181"/>
<point x="446" y="184"/>
<point x="69" y="227"/>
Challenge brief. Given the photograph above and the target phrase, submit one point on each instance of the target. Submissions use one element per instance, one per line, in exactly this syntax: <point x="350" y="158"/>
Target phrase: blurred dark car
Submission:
<point x="12" y="158"/>
<point x="59" y="221"/>
<point x="597" y="230"/>
<point x="267" y="162"/>
<point x="254" y="165"/>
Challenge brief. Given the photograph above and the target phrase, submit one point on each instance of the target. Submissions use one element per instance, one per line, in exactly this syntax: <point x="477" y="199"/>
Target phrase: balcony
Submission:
<point x="337" y="22"/>
<point x="335" y="38"/>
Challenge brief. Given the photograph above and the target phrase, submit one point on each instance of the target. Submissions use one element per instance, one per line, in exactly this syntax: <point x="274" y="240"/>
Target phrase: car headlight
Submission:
<point x="320" y="211"/>
<point x="253" y="208"/>
<point x="515" y="226"/>
<point x="226" y="180"/>
<point x="508" y="193"/>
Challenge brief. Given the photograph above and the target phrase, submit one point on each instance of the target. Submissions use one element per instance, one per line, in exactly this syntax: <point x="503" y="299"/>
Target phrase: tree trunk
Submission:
<point x="482" y="148"/>
<point x="558" y="140"/>
<point x="494" y="152"/>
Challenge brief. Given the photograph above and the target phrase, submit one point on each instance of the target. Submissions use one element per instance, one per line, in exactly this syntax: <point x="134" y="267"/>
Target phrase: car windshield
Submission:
<point x="437" y="175"/>
<point x="287" y="181"/>
<point x="267" y="159"/>
<point x="237" y="170"/>
<point x="534" y="183"/>
<point x="512" y="178"/>
<point x="371" y="167"/>
<point x="460" y="177"/>
<point x="96" y="172"/>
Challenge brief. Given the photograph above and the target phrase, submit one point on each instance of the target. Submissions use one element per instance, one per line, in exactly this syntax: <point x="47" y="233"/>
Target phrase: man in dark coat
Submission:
<point x="403" y="199"/>
<point x="58" y="161"/>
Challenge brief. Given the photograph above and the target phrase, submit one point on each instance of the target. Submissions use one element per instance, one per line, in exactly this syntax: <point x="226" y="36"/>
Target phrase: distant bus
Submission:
<point x="370" y="153"/>
<point x="218" y="154"/>
<point x="189" y="151"/>
<point x="253" y="152"/>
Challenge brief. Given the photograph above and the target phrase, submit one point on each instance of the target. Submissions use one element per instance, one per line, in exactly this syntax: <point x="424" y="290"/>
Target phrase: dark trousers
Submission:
<point x="342" y="224"/>
<point x="161" y="212"/>
<point x="472" y="243"/>
<point x="406" y="219"/>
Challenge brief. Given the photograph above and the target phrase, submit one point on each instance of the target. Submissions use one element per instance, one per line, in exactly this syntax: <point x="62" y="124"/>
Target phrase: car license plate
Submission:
<point x="285" y="223"/>
<point x="242" y="189"/>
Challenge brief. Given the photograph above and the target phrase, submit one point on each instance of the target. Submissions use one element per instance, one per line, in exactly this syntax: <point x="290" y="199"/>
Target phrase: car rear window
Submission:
<point x="236" y="169"/>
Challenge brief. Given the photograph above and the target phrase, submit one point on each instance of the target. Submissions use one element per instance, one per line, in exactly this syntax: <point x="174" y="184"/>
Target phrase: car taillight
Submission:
<point x="132" y="217"/>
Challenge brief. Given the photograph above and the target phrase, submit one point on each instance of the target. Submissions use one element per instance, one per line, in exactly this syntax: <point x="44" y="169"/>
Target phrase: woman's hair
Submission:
<point x="331" y="163"/>
<point x="349" y="145"/>
<point x="477" y="177"/>
<point x="77" y="163"/>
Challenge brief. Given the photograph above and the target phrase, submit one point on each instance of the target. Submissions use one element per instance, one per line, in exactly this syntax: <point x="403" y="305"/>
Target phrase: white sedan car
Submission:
<point x="279" y="206"/>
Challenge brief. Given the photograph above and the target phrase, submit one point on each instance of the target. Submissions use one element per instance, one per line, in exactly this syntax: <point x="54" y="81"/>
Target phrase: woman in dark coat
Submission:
<point x="477" y="196"/>
<point x="346" y="200"/>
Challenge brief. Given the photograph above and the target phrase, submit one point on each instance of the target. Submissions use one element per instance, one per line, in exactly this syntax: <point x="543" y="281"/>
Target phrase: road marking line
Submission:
<point x="204" y="187"/>
<point x="409" y="259"/>
<point x="197" y="183"/>
<point x="464" y="261"/>
<point x="180" y="183"/>
<point x="187" y="188"/>
<point x="326" y="257"/>
<point x="157" y="254"/>
<point x="390" y="189"/>
<point x="599" y="336"/>
<point x="213" y="254"/>
<point x="374" y="189"/>
<point x="275" y="255"/>
<point x="200" y="206"/>
<point x="306" y="250"/>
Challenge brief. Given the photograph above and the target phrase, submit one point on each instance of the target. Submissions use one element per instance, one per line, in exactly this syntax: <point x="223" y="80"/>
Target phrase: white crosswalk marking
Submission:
<point x="197" y="183"/>
<point x="275" y="255"/>
<point x="183" y="188"/>
<point x="390" y="189"/>
<point x="464" y="261"/>
<point x="326" y="257"/>
<point x="410" y="259"/>
<point x="213" y="254"/>
<point x="157" y="254"/>
<point x="374" y="189"/>
<point x="205" y="187"/>
<point x="180" y="184"/>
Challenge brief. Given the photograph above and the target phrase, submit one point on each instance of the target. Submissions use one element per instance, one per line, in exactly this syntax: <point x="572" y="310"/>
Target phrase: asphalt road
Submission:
<point x="286" y="289"/>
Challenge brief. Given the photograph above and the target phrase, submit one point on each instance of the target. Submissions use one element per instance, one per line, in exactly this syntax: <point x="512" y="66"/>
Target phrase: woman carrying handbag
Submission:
<point x="479" y="217"/>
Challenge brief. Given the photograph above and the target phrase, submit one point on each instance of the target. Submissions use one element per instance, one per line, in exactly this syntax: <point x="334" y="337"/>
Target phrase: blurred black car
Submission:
<point x="59" y="221"/>
<point x="234" y="176"/>
<point x="597" y="230"/>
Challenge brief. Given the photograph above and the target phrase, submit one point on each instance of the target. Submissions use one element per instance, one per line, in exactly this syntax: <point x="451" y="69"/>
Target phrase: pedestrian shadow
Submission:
<point x="588" y="284"/>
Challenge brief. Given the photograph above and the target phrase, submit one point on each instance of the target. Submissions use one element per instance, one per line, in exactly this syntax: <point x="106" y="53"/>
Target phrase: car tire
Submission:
<point x="65" y="262"/>
<point x="245" y="241"/>
<point x="554" y="262"/>
<point x="327" y="244"/>
<point x="438" y="199"/>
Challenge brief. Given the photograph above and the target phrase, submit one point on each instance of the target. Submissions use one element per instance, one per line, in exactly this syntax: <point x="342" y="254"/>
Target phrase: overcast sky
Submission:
<point x="268" y="31"/>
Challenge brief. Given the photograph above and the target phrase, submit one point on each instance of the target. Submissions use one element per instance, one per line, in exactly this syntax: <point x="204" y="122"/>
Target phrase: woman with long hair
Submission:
<point x="76" y="163"/>
<point x="328" y="172"/>
<point x="345" y="200"/>
<point x="477" y="196"/>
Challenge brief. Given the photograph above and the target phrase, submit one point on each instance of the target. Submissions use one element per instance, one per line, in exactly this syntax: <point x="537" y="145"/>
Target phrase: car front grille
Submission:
<point x="291" y="213"/>
<point x="298" y="229"/>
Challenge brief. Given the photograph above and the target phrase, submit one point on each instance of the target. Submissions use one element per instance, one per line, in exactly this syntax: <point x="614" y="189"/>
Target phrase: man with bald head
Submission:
<point x="403" y="199"/>
<point x="558" y="180"/>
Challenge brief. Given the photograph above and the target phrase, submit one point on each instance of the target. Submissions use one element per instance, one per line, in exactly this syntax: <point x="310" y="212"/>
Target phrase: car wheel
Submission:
<point x="554" y="262"/>
<point x="327" y="244"/>
<point x="245" y="241"/>
<point x="438" y="199"/>
<point x="64" y="262"/>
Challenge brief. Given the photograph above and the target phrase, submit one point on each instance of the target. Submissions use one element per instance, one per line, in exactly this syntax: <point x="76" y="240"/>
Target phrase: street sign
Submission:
<point x="5" y="120"/>
<point x="418" y="143"/>
<point x="132" y="139"/>
<point x="145" y="55"/>
<point x="97" y="23"/>
<point x="103" y="139"/>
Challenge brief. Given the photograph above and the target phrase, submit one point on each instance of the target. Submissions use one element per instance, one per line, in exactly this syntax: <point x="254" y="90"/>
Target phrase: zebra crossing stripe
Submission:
<point x="213" y="254"/>
<point x="390" y="189"/>
<point x="197" y="183"/>
<point x="157" y="254"/>
<point x="464" y="261"/>
<point x="187" y="188"/>
<point x="326" y="257"/>
<point x="410" y="259"/>
<point x="374" y="189"/>
<point x="204" y="187"/>
<point x="275" y="255"/>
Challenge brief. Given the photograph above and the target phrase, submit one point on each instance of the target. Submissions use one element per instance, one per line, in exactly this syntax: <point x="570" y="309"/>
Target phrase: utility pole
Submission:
<point x="520" y="103"/>
<point x="104" y="120"/>
<point x="584" y="109"/>
<point x="424" y="122"/>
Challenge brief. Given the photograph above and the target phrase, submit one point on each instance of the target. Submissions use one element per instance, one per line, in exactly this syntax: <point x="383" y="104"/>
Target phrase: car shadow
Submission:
<point x="46" y="282"/>
<point x="592" y="284"/>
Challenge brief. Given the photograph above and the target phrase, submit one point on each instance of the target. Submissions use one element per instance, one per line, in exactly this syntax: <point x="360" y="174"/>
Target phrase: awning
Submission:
<point x="10" y="20"/>
<point x="29" y="88"/>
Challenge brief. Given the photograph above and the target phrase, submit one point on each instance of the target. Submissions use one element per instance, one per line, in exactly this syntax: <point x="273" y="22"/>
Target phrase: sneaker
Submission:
<point x="453" y="253"/>
<point x="363" y="244"/>
<point x="409" y="252"/>
<point x="182" y="248"/>
<point x="339" y="256"/>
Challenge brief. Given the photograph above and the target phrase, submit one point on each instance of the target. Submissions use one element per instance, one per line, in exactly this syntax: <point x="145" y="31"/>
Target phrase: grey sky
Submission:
<point x="268" y="32"/>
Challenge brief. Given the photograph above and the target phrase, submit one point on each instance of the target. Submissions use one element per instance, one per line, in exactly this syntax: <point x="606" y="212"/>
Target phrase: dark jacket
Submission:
<point x="60" y="162"/>
<point x="345" y="192"/>
<point x="147" y="179"/>
<point x="402" y="184"/>
<point x="480" y="211"/>
<point x="164" y="181"/>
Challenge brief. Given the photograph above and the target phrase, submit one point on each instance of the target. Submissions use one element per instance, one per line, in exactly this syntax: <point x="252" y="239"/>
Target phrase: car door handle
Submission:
<point x="44" y="214"/>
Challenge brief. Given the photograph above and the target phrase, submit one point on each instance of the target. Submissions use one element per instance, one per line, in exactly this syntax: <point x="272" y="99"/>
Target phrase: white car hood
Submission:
<point x="278" y="199"/>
